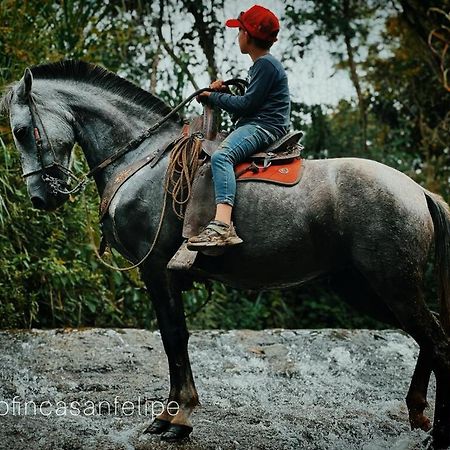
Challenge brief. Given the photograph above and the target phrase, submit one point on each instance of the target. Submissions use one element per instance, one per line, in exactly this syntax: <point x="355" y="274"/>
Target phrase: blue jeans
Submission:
<point x="235" y="148"/>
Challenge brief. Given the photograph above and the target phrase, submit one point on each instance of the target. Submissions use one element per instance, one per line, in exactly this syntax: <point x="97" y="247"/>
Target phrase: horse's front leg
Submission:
<point x="173" y="423"/>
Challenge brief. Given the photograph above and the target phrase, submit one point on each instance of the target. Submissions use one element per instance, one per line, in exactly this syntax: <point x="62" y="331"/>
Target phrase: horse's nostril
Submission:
<point x="38" y="202"/>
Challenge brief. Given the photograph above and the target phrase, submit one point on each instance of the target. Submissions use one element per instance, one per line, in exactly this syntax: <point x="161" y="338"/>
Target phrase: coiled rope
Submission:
<point x="183" y="164"/>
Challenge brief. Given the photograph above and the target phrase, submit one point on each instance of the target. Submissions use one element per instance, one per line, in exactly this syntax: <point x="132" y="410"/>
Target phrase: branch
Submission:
<point x="441" y="35"/>
<point x="170" y="51"/>
<point x="153" y="79"/>
<point x="414" y="14"/>
<point x="206" y="36"/>
<point x="354" y="75"/>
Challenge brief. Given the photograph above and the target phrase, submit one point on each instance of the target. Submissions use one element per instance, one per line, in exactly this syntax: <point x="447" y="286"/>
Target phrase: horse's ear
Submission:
<point x="26" y="83"/>
<point x="28" y="80"/>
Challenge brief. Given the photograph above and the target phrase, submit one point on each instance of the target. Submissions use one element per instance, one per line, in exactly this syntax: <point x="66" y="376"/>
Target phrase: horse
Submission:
<point x="368" y="226"/>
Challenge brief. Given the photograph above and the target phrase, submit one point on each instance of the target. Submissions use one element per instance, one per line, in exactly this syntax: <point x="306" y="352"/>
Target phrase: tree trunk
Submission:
<point x="206" y="34"/>
<point x="170" y="50"/>
<point x="154" y="70"/>
<point x="355" y="78"/>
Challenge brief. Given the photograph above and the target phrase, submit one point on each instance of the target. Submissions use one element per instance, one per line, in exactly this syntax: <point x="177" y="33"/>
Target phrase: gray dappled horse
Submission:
<point x="367" y="225"/>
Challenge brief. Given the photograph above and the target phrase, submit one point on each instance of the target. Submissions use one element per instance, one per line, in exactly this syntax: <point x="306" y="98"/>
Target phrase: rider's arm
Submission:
<point x="262" y="78"/>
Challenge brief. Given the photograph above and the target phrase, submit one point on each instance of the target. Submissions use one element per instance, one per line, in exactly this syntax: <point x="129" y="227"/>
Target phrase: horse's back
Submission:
<point x="341" y="209"/>
<point x="369" y="192"/>
<point x="334" y="192"/>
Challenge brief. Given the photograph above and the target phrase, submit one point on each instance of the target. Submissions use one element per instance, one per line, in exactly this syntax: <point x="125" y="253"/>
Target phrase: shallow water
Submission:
<point x="272" y="389"/>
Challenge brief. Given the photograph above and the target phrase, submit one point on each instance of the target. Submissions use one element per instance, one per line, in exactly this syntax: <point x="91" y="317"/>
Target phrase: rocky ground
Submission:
<point x="272" y="389"/>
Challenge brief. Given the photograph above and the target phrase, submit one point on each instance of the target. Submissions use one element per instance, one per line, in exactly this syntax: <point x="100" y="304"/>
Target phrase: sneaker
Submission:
<point x="216" y="234"/>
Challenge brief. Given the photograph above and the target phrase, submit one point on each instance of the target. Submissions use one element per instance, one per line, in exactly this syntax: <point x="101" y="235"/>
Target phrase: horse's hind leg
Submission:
<point x="434" y="344"/>
<point x="353" y="287"/>
<point x="416" y="400"/>
<point x="441" y="426"/>
<point x="403" y="294"/>
<point x="419" y="322"/>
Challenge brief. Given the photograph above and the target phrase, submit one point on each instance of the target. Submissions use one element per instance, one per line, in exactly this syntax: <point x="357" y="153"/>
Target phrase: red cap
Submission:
<point x="258" y="22"/>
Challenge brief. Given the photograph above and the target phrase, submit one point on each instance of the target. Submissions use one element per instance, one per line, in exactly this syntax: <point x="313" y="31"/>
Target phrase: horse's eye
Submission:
<point x="20" y="132"/>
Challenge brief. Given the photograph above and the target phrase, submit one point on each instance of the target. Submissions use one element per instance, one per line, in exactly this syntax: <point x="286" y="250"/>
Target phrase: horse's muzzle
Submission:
<point x="40" y="195"/>
<point x="38" y="202"/>
<point x="48" y="203"/>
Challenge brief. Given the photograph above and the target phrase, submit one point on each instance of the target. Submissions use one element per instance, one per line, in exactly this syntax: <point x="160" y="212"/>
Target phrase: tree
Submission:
<point x="346" y="23"/>
<point x="401" y="117"/>
<point x="430" y="22"/>
<point x="409" y="102"/>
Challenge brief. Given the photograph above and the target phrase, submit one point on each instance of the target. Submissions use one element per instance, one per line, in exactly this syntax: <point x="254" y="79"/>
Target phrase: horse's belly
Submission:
<point x="287" y="236"/>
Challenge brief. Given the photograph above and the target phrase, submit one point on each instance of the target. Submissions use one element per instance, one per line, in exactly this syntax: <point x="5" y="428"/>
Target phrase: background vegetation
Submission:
<point x="400" y="116"/>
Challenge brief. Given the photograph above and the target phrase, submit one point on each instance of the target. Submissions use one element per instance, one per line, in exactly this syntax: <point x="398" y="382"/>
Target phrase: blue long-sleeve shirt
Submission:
<point x="266" y="100"/>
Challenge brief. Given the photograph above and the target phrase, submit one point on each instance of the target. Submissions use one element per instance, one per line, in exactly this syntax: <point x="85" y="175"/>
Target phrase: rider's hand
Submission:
<point x="220" y="86"/>
<point x="201" y="98"/>
<point x="217" y="85"/>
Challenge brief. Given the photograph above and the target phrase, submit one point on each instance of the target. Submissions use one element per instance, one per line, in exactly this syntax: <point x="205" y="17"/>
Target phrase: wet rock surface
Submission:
<point x="272" y="389"/>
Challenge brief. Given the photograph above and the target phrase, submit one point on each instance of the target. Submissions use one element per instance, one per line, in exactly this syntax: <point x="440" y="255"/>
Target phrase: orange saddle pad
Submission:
<point x="283" y="172"/>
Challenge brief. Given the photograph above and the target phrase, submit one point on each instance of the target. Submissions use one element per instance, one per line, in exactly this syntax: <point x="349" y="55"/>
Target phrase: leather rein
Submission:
<point x="58" y="186"/>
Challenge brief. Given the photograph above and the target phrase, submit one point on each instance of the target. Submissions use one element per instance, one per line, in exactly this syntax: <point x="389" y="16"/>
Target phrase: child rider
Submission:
<point x="263" y="117"/>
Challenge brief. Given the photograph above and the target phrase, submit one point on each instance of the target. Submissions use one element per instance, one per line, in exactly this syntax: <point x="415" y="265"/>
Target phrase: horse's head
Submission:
<point x="44" y="137"/>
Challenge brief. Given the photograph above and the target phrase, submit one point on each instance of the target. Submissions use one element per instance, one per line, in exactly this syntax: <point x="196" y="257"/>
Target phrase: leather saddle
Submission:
<point x="201" y="205"/>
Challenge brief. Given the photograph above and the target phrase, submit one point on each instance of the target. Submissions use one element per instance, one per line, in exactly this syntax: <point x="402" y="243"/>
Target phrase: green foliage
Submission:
<point x="312" y="307"/>
<point x="46" y="283"/>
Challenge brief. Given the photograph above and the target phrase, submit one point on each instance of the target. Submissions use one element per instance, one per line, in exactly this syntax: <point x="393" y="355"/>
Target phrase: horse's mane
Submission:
<point x="5" y="100"/>
<point x="95" y="75"/>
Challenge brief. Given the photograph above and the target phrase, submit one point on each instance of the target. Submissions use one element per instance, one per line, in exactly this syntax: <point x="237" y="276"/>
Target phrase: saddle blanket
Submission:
<point x="287" y="172"/>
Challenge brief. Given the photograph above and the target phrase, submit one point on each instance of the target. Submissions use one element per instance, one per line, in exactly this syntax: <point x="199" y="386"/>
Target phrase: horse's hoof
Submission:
<point x="420" y="421"/>
<point x="427" y="442"/>
<point x="176" y="433"/>
<point x="158" y="426"/>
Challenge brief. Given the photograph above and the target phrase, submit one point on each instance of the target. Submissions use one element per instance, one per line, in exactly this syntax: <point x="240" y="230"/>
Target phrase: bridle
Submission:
<point x="43" y="169"/>
<point x="57" y="185"/>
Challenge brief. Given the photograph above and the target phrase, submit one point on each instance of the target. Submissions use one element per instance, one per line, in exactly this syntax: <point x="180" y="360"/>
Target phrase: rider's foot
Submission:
<point x="216" y="234"/>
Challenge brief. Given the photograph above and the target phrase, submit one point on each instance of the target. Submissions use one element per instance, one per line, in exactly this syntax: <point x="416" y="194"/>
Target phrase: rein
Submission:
<point x="183" y="163"/>
<point x="59" y="186"/>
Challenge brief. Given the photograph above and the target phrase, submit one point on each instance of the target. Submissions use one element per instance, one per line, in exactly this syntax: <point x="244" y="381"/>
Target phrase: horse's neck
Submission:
<point x="105" y="123"/>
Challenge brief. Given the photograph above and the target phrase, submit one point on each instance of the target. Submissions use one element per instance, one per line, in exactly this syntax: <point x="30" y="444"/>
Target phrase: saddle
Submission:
<point x="280" y="163"/>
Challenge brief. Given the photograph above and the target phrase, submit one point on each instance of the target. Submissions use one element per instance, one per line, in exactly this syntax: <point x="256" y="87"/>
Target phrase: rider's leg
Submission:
<point x="223" y="213"/>
<point x="236" y="147"/>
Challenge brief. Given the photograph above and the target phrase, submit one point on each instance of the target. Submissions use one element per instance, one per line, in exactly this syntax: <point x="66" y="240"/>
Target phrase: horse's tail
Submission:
<point x="440" y="214"/>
